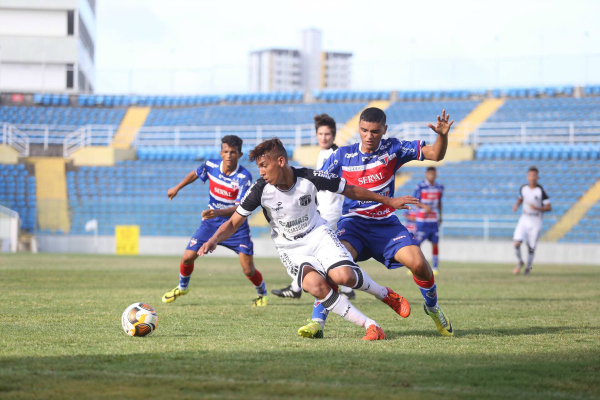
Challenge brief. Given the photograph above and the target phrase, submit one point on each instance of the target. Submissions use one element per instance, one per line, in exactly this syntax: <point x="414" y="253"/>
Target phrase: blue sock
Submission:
<point x="430" y="295"/>
<point x="262" y="289"/>
<point x="435" y="262"/>
<point x="319" y="313"/>
<point x="184" y="281"/>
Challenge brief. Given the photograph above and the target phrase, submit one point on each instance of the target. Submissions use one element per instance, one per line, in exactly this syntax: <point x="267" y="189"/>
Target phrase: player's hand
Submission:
<point x="209" y="214"/>
<point x="402" y="203"/>
<point x="442" y="127"/>
<point x="171" y="193"/>
<point x="207" y="247"/>
<point x="426" y="208"/>
<point x="515" y="208"/>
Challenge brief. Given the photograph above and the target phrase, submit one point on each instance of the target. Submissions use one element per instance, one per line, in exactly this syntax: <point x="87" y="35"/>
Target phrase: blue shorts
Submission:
<point x="378" y="239"/>
<point x="240" y="241"/>
<point x="427" y="231"/>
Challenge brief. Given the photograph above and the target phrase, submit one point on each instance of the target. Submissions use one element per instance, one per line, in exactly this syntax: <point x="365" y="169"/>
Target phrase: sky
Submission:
<point x="202" y="47"/>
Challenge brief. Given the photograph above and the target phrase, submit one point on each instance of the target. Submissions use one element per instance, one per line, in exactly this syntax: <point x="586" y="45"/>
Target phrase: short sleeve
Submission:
<point x="251" y="201"/>
<point x="333" y="165"/>
<point x="408" y="150"/>
<point x="244" y="186"/>
<point x="545" y="198"/>
<point x="201" y="172"/>
<point x="323" y="181"/>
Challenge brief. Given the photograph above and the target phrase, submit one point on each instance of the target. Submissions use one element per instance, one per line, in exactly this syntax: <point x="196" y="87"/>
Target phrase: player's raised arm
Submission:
<point x="437" y="152"/>
<point x="189" y="178"/>
<point x="362" y="194"/>
<point x="223" y="233"/>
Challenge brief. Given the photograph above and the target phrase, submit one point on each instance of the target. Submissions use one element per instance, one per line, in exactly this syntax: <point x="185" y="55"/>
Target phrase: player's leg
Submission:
<point x="254" y="275"/>
<point x="518" y="237"/>
<point x="186" y="265"/>
<point x="316" y="284"/>
<point x="434" y="238"/>
<point x="412" y="257"/>
<point x="533" y="235"/>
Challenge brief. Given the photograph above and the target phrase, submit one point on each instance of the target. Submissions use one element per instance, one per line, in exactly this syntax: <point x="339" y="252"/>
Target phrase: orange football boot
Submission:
<point x="374" y="333"/>
<point x="397" y="303"/>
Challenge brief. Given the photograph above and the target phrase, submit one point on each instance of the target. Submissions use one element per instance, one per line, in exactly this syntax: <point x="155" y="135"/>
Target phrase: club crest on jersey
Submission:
<point x="384" y="158"/>
<point x="305" y="200"/>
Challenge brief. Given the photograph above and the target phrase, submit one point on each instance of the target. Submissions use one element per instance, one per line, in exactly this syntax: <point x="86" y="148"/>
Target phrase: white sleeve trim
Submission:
<point x="243" y="212"/>
<point x="342" y="186"/>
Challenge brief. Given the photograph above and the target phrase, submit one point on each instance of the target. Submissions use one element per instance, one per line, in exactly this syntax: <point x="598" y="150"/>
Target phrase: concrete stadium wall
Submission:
<point x="450" y="250"/>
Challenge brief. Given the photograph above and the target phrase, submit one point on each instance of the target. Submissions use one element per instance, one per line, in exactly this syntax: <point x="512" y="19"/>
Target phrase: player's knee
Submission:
<point x="343" y="276"/>
<point x="317" y="287"/>
<point x="518" y="245"/>
<point x="531" y="249"/>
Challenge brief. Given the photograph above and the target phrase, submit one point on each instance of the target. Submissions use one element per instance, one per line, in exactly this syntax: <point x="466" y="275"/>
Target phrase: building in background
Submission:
<point x="306" y="69"/>
<point x="47" y="45"/>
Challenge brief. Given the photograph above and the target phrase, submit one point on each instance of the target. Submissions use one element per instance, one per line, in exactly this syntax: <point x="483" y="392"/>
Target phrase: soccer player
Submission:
<point x="228" y="183"/>
<point x="429" y="217"/>
<point x="371" y="229"/>
<point x="535" y="203"/>
<point x="308" y="248"/>
<point x="329" y="204"/>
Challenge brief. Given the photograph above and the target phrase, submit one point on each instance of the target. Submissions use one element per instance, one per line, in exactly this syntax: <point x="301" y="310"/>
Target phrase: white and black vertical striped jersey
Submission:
<point x="533" y="197"/>
<point x="292" y="214"/>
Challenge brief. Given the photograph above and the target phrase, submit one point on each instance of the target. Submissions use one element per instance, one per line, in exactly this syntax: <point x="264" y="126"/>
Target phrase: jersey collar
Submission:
<point x="233" y="173"/>
<point x="362" y="152"/>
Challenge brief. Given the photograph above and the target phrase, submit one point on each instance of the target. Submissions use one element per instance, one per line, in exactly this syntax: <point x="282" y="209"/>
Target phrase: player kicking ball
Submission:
<point x="308" y="248"/>
<point x="535" y="203"/>
<point x="330" y="204"/>
<point x="370" y="229"/>
<point x="228" y="183"/>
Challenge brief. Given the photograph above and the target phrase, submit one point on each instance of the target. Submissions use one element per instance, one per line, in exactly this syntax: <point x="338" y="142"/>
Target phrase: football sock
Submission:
<point x="259" y="284"/>
<point x="435" y="256"/>
<point x="530" y="256"/>
<point x="320" y="313"/>
<point x="341" y="306"/>
<point x="366" y="284"/>
<point x="345" y="289"/>
<point x="294" y="286"/>
<point x="518" y="253"/>
<point x="185" y="272"/>
<point x="428" y="291"/>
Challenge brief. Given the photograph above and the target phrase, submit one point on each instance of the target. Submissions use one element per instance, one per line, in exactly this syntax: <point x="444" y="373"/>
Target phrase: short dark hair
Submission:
<point x="231" y="141"/>
<point x="431" y="169"/>
<point x="325" y="120"/>
<point x="267" y="146"/>
<point x="533" y="169"/>
<point x="373" y="114"/>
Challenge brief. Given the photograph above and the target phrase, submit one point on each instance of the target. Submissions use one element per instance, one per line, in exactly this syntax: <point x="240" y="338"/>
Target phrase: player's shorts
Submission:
<point x="427" y="231"/>
<point x="240" y="241"/>
<point x="375" y="238"/>
<point x="320" y="249"/>
<point x="528" y="231"/>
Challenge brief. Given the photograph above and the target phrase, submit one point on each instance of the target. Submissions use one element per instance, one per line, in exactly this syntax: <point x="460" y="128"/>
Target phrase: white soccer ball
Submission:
<point x="139" y="319"/>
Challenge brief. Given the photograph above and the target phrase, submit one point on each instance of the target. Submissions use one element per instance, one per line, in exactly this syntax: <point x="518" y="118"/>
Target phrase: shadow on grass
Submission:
<point x="349" y="372"/>
<point x="458" y="333"/>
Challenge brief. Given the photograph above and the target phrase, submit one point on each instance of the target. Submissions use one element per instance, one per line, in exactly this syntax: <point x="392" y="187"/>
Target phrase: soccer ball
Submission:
<point x="139" y="319"/>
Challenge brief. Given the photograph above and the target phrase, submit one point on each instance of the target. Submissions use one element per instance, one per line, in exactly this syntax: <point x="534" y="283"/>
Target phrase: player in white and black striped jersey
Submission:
<point x="308" y="248"/>
<point x="535" y="203"/>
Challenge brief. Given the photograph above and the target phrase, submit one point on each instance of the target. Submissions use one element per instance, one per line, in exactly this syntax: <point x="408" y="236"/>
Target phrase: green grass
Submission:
<point x="516" y="337"/>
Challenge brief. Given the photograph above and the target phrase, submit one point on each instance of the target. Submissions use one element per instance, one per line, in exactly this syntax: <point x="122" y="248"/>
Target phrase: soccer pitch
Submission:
<point x="515" y="336"/>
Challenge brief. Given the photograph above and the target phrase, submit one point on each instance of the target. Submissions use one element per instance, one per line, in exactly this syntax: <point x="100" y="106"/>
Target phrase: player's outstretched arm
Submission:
<point x="223" y="233"/>
<point x="189" y="178"/>
<point x="358" y="193"/>
<point x="225" y="212"/>
<point x="437" y="152"/>
<point x="517" y="204"/>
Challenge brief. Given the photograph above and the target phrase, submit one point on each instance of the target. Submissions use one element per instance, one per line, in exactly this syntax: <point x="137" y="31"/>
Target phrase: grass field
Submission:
<point x="516" y="337"/>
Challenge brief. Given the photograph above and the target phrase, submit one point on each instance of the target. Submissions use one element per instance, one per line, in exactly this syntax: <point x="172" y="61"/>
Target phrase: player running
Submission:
<point x="429" y="217"/>
<point x="535" y="203"/>
<point x="308" y="248"/>
<point x="372" y="230"/>
<point x="228" y="183"/>
<point x="329" y="204"/>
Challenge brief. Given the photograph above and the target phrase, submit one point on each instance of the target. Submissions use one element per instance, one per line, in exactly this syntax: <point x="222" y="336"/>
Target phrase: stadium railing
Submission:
<point x="15" y="138"/>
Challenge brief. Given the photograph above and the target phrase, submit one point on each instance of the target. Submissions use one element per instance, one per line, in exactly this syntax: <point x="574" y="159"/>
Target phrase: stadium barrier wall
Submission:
<point x="450" y="250"/>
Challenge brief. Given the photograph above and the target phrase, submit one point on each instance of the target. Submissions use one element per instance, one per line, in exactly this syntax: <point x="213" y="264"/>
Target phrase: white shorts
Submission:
<point x="320" y="249"/>
<point x="528" y="231"/>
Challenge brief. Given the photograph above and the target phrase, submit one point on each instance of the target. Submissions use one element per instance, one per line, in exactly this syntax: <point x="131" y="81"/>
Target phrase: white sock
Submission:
<point x="366" y="284"/>
<point x="341" y="306"/>
<point x="345" y="289"/>
<point x="518" y="253"/>
<point x="295" y="287"/>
